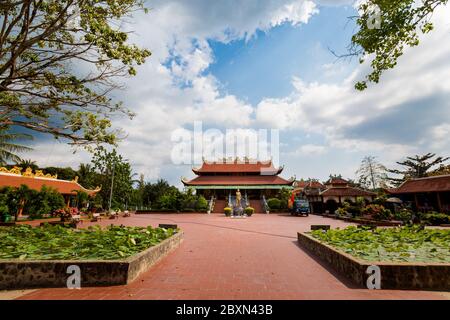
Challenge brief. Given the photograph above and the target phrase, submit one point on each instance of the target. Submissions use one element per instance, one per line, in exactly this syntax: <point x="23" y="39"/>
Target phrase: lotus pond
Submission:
<point x="59" y="243"/>
<point x="406" y="244"/>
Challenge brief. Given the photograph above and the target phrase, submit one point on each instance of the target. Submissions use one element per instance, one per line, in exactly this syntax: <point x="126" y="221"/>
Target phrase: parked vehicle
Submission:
<point x="300" y="207"/>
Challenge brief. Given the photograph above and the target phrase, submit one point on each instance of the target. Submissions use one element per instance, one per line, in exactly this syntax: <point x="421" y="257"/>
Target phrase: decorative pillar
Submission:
<point x="439" y="203"/>
<point x="416" y="201"/>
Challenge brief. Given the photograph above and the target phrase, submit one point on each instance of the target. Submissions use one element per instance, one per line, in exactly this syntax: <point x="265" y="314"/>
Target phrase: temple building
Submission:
<point x="220" y="180"/>
<point x="331" y="195"/>
<point x="36" y="180"/>
<point x="425" y="194"/>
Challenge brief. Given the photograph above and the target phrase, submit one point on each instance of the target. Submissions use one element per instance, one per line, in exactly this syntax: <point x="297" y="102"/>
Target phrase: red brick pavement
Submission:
<point x="225" y="258"/>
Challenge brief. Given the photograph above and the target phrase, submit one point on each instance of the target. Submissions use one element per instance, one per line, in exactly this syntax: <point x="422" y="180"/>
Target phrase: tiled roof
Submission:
<point x="347" y="191"/>
<point x="36" y="183"/>
<point x="315" y="185"/>
<point x="429" y="184"/>
<point x="301" y="184"/>
<point x="237" y="167"/>
<point x="337" y="181"/>
<point x="237" y="180"/>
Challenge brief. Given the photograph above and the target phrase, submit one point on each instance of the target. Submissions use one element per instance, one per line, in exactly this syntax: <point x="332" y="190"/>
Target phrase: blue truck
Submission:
<point x="300" y="207"/>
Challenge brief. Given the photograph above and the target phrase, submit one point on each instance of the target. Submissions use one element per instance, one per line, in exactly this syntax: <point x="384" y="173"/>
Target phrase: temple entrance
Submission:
<point x="331" y="206"/>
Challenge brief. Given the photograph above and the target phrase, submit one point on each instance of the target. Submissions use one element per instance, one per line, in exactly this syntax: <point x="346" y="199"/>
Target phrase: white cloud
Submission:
<point x="173" y="89"/>
<point x="408" y="111"/>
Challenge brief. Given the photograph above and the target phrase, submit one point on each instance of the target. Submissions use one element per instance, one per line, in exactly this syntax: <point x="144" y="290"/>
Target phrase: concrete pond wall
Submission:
<point x="405" y="276"/>
<point x="23" y="274"/>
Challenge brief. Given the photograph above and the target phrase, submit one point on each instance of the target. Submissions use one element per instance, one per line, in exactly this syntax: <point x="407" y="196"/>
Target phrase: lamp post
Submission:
<point x="111" y="191"/>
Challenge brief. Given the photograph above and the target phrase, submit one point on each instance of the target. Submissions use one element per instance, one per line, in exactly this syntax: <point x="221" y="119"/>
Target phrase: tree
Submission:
<point x="416" y="167"/>
<point x="114" y="172"/>
<point x="8" y="149"/>
<point x="62" y="173"/>
<point x="45" y="45"/>
<point x="27" y="164"/>
<point x="371" y="174"/>
<point x="87" y="176"/>
<point x="442" y="170"/>
<point x="400" y="23"/>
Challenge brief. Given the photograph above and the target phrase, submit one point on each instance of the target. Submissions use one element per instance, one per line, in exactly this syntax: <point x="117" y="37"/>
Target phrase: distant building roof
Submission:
<point x="428" y="184"/>
<point x="236" y="166"/>
<point x="36" y="183"/>
<point x="346" y="192"/>
<point x="336" y="181"/>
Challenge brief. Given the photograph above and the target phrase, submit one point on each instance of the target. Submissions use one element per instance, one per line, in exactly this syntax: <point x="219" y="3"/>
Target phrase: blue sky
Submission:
<point x="266" y="64"/>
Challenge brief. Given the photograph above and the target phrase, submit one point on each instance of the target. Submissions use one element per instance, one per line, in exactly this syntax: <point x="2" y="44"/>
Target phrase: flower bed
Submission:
<point x="55" y="242"/>
<point x="114" y="256"/>
<point x="407" y="244"/>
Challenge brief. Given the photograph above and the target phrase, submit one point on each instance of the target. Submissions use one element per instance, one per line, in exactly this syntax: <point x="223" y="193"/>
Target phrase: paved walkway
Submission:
<point x="224" y="258"/>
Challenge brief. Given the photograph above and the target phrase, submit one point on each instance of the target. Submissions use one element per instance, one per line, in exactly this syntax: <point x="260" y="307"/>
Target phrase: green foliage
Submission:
<point x="435" y="218"/>
<point x="381" y="200"/>
<point x="404" y="215"/>
<point x="228" y="211"/>
<point x="343" y="211"/>
<point x="406" y="244"/>
<point x="82" y="199"/>
<point x="44" y="43"/>
<point x="109" y="164"/>
<point x="201" y="204"/>
<point x="34" y="203"/>
<point x="416" y="167"/>
<point x="46" y="201"/>
<point x="55" y="242"/>
<point x="401" y="23"/>
<point x="4" y="210"/>
<point x="63" y="173"/>
<point x="274" y="203"/>
<point x="377" y="212"/>
<point x="284" y="196"/>
<point x="249" y="211"/>
<point x="9" y="149"/>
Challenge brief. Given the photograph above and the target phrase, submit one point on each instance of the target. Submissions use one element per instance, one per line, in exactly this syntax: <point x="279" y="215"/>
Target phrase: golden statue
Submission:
<point x="39" y="173"/>
<point x="238" y="198"/>
<point x="28" y="172"/>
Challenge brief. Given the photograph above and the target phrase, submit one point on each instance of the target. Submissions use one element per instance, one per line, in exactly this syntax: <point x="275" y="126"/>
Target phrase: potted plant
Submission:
<point x="249" y="211"/>
<point x="227" y="211"/>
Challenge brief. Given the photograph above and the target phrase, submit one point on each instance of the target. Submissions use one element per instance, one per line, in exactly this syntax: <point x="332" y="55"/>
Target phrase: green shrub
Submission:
<point x="344" y="210"/>
<point x="249" y="211"/>
<point x="404" y="215"/>
<point x="435" y="218"/>
<point x="46" y="201"/>
<point x="377" y="212"/>
<point x="274" y="203"/>
<point x="201" y="204"/>
<point x="227" y="211"/>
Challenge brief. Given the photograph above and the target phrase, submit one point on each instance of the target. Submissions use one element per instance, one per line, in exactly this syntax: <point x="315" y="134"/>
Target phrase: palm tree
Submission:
<point x="9" y="149"/>
<point x="27" y="164"/>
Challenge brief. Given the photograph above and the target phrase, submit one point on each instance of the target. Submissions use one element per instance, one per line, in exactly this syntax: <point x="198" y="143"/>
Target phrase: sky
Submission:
<point x="267" y="64"/>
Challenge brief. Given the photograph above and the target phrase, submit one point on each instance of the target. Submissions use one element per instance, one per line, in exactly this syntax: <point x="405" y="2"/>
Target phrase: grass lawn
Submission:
<point x="406" y="244"/>
<point x="59" y="243"/>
